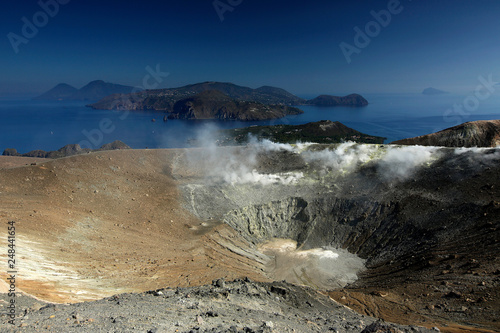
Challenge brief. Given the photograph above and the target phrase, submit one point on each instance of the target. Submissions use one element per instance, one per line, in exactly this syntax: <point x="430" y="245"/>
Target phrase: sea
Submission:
<point x="28" y="125"/>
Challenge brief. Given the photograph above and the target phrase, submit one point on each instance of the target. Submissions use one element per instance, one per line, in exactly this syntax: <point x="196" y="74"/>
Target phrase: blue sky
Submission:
<point x="292" y="45"/>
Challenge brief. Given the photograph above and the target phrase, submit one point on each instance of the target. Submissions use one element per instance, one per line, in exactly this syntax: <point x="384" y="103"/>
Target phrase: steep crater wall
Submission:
<point x="361" y="225"/>
<point x="375" y="230"/>
<point x="381" y="222"/>
<point x="388" y="205"/>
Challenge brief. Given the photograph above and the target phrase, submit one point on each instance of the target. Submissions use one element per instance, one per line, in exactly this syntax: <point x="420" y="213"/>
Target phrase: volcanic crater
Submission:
<point x="407" y="234"/>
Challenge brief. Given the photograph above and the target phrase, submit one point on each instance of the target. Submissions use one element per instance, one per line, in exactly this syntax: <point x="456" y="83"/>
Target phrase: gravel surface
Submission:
<point x="237" y="306"/>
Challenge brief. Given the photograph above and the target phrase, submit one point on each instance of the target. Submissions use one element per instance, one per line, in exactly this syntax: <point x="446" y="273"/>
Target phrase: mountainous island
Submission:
<point x="93" y="91"/>
<point x="221" y="100"/>
<point x="433" y="91"/>
<point x="324" y="131"/>
<point x="481" y="133"/>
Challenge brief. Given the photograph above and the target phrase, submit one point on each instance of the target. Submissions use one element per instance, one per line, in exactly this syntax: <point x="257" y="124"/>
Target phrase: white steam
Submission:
<point x="245" y="177"/>
<point x="392" y="162"/>
<point x="237" y="165"/>
<point x="268" y="146"/>
<point x="324" y="268"/>
<point x="480" y="153"/>
<point x="402" y="162"/>
<point x="346" y="157"/>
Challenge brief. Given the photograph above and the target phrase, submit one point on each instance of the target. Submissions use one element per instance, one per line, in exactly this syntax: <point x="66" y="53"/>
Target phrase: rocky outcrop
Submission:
<point x="114" y="145"/>
<point x="483" y="133"/>
<point x="328" y="100"/>
<point x="11" y="152"/>
<point x="68" y="150"/>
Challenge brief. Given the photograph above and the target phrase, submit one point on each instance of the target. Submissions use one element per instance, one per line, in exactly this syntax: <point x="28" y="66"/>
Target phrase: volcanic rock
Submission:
<point x="481" y="133"/>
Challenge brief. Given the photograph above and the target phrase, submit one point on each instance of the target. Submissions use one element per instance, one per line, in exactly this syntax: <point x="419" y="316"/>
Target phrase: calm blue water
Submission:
<point x="29" y="125"/>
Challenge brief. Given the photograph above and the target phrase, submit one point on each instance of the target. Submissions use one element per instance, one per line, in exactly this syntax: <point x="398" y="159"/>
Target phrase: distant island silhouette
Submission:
<point x="93" y="91"/>
<point x="206" y="100"/>
<point x="434" y="91"/>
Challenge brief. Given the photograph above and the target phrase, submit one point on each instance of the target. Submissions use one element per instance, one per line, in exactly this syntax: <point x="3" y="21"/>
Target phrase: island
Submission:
<point x="324" y="131"/>
<point x="433" y="91"/>
<point x="328" y="100"/>
<point x="93" y="91"/>
<point x="220" y="100"/>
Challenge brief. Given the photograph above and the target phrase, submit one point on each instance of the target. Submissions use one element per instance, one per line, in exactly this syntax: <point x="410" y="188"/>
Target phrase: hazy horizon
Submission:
<point x="317" y="48"/>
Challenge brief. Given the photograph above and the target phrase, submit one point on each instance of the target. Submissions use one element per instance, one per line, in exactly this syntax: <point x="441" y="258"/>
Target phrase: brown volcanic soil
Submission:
<point x="108" y="222"/>
<point x="7" y="162"/>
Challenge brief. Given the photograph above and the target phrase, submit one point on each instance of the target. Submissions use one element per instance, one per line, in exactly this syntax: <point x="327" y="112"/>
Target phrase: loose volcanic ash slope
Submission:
<point x="93" y="225"/>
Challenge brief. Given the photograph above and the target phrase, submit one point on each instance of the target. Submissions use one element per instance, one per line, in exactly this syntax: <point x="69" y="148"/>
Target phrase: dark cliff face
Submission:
<point x="349" y="100"/>
<point x="483" y="133"/>
<point x="213" y="104"/>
